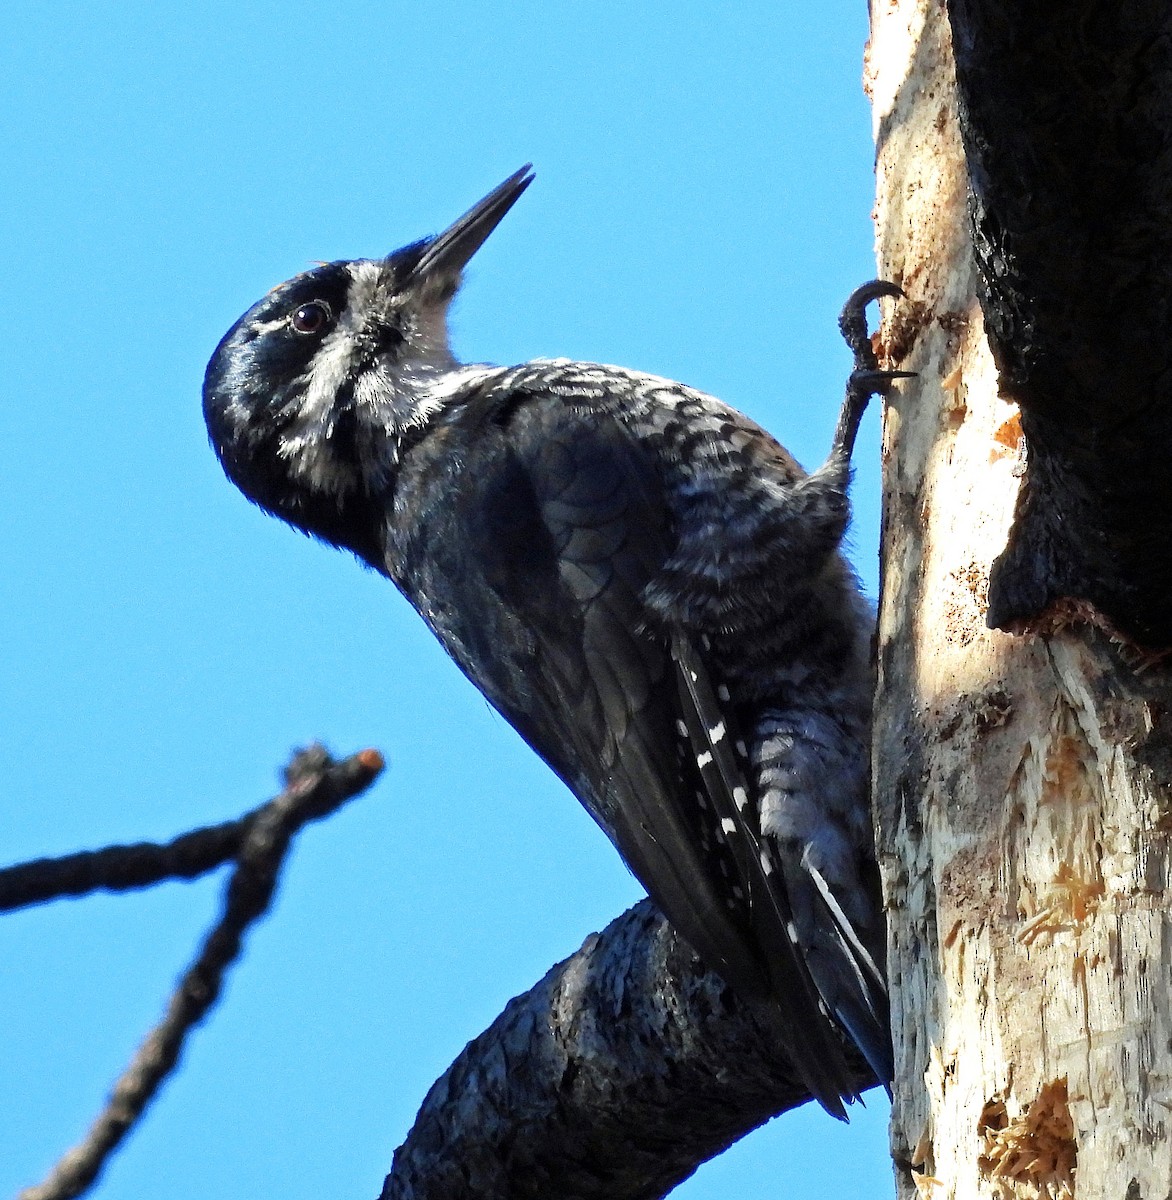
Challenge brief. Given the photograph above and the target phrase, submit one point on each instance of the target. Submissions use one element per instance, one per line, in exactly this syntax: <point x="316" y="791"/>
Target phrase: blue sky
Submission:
<point x="700" y="211"/>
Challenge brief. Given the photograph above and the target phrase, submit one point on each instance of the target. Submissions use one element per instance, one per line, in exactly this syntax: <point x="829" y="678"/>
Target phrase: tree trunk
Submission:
<point x="1024" y="779"/>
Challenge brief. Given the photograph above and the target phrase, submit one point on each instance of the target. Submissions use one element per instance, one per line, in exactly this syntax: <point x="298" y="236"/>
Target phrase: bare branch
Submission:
<point x="123" y="868"/>
<point x="613" y="1078"/>
<point x="314" y="787"/>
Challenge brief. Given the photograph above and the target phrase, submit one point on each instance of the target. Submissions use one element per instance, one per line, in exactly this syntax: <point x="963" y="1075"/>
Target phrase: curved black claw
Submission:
<point x="866" y="380"/>
<point x="853" y="320"/>
<point x="875" y="382"/>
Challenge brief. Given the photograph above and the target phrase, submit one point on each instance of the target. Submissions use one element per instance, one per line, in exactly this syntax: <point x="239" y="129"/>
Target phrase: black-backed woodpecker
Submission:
<point x="639" y="578"/>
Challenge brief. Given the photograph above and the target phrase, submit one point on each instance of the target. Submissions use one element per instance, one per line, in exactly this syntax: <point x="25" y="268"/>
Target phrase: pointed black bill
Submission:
<point x="448" y="252"/>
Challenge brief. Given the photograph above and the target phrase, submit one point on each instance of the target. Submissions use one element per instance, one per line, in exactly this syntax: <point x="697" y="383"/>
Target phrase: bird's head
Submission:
<point x="312" y="392"/>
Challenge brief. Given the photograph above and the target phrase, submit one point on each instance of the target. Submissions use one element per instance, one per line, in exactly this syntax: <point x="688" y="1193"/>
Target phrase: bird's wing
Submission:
<point x="720" y="753"/>
<point x="552" y="525"/>
<point x="567" y="526"/>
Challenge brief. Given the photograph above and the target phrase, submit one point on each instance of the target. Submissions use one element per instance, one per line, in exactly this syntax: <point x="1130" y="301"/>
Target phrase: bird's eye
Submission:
<point x="311" y="318"/>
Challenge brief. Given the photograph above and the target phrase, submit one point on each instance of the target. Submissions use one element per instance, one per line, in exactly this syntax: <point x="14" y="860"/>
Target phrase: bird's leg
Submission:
<point x="866" y="380"/>
<point x="819" y="501"/>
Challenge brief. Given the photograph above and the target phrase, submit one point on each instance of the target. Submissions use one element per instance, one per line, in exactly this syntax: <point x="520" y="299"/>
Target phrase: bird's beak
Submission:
<point x="448" y="253"/>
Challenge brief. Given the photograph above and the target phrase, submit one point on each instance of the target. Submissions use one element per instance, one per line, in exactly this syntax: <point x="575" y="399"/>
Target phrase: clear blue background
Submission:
<point x="700" y="211"/>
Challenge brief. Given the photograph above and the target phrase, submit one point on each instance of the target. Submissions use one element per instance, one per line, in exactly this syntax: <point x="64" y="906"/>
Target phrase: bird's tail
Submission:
<point x="862" y="1006"/>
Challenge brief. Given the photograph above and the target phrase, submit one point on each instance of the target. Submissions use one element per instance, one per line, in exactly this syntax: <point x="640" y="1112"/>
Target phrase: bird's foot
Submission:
<point x="867" y="379"/>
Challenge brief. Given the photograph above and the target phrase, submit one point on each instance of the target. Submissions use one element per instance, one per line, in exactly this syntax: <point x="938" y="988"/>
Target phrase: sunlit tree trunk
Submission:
<point x="1023" y="795"/>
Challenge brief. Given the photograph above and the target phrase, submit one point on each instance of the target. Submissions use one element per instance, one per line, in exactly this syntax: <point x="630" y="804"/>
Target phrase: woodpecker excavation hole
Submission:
<point x="1032" y="1156"/>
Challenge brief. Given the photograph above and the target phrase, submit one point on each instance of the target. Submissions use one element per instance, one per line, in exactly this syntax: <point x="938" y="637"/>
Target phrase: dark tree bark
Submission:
<point x="1066" y="117"/>
<point x="614" y="1078"/>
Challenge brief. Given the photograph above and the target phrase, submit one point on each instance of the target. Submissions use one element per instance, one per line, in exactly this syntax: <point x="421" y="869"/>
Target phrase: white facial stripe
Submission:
<point x="259" y="327"/>
<point x="332" y="365"/>
<point x="306" y="444"/>
<point x="391" y="394"/>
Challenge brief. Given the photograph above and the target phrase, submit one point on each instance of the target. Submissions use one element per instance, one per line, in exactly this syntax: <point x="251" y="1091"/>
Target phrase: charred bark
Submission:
<point x="1066" y="117"/>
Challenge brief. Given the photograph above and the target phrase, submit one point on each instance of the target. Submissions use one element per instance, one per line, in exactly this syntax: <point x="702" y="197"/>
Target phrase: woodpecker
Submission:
<point x="637" y="577"/>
